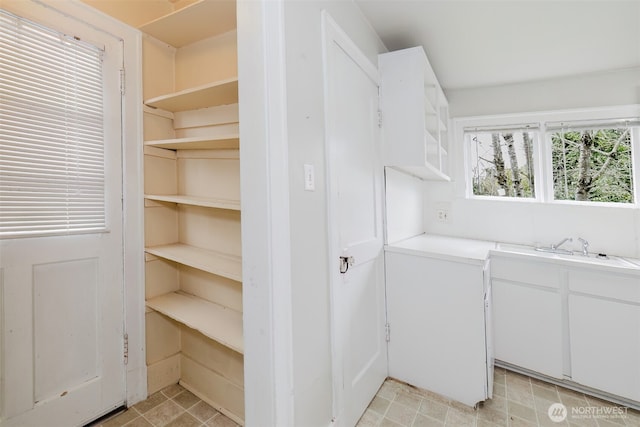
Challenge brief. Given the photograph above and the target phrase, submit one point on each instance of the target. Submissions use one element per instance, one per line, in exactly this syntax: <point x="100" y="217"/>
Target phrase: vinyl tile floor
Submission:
<point x="173" y="406"/>
<point x="518" y="401"/>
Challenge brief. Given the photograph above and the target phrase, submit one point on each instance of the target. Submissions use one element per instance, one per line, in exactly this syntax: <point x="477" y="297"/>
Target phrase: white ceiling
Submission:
<point x="477" y="43"/>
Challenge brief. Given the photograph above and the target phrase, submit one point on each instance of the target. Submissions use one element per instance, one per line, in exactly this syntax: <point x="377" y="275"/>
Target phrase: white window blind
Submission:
<point x="52" y="178"/>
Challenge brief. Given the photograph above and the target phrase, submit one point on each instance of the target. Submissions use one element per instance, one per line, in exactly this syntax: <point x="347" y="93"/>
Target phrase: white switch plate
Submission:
<point x="309" y="178"/>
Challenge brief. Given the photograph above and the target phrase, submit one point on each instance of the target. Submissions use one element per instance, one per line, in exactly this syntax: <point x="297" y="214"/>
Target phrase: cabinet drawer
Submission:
<point x="530" y="272"/>
<point x="607" y="285"/>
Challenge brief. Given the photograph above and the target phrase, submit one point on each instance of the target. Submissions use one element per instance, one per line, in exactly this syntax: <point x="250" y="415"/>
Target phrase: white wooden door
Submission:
<point x="355" y="223"/>
<point x="61" y="297"/>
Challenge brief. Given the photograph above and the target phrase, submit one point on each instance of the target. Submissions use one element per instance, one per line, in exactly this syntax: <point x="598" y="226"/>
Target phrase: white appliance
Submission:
<point x="438" y="308"/>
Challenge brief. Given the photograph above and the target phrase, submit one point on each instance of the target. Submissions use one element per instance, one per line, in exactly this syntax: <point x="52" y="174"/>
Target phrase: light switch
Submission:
<point x="309" y="178"/>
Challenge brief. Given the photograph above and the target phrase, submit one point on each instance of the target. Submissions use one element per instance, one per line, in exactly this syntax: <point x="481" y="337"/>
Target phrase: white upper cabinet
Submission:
<point x="414" y="115"/>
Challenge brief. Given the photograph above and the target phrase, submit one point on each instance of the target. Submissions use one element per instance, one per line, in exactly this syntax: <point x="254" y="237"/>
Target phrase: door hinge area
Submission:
<point x="126" y="348"/>
<point x="122" y="81"/>
<point x="380" y="119"/>
<point x="387" y="332"/>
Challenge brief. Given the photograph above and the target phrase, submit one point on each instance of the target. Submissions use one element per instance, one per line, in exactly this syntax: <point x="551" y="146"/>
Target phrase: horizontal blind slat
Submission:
<point x="52" y="176"/>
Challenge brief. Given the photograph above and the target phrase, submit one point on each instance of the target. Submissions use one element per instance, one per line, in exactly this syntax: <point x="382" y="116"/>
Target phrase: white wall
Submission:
<point x="608" y="229"/>
<point x="619" y="87"/>
<point x="403" y="205"/>
<point x="309" y="243"/>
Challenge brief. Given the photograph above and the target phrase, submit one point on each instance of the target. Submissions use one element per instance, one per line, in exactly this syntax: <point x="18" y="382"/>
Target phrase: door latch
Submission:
<point x="345" y="263"/>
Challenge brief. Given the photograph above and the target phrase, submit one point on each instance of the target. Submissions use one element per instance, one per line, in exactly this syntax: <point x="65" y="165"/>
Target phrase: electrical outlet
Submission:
<point x="442" y="215"/>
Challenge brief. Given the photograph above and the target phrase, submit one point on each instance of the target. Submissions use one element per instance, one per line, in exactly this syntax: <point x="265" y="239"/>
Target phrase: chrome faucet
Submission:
<point x="585" y="246"/>
<point x="557" y="245"/>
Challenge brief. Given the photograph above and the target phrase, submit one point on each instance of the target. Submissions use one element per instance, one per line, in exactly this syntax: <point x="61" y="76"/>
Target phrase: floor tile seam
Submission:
<point x="156" y="425"/>
<point x="504" y="413"/>
<point x="406" y="406"/>
<point x="415" y="415"/>
<point x="386" y="410"/>
<point x="447" y="407"/>
<point x="141" y="416"/>
<point x="434" y="419"/>
<point x="132" y="420"/>
<point x="208" y="419"/>
<point x="533" y="396"/>
<point x="397" y="421"/>
<point x="507" y="410"/>
<point x="523" y="419"/>
<point x="122" y="413"/>
<point x="410" y="394"/>
<point x="187" y="409"/>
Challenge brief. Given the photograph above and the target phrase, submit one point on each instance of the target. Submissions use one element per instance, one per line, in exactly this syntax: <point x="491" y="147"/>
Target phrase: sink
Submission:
<point x="554" y="250"/>
<point x="569" y="256"/>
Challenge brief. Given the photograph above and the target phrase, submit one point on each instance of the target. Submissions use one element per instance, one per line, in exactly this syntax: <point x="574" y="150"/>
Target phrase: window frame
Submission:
<point x="537" y="141"/>
<point x="542" y="155"/>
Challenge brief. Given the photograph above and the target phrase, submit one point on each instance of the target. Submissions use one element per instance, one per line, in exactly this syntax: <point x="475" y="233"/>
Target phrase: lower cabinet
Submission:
<point x="605" y="333"/>
<point x="436" y="314"/>
<point x="579" y="324"/>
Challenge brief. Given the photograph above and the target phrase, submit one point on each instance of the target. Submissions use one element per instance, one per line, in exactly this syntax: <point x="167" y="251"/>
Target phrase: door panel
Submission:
<point x="363" y="302"/>
<point x="355" y="223"/>
<point x="64" y="308"/>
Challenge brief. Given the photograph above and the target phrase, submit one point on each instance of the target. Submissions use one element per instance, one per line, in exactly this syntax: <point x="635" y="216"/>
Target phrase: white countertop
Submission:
<point x="477" y="251"/>
<point x="444" y="247"/>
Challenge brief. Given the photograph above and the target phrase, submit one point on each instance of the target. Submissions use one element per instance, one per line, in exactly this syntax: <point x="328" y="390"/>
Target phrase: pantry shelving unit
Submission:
<point x="414" y="114"/>
<point x="193" y="268"/>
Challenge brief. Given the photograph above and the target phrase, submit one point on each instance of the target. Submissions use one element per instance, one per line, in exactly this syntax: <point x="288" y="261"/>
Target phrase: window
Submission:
<point x="502" y="161"/>
<point x="592" y="163"/>
<point x="589" y="158"/>
<point x="52" y="176"/>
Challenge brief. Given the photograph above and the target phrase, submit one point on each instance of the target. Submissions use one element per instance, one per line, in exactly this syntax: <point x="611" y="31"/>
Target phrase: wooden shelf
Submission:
<point x="224" y="265"/>
<point x="222" y="92"/>
<point x="206" y="202"/>
<point x="212" y="320"/>
<point x="200" y="20"/>
<point x="198" y="143"/>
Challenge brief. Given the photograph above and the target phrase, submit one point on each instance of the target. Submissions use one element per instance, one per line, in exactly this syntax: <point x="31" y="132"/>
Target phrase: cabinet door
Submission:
<point x="527" y="327"/>
<point x="605" y="345"/>
<point x="436" y="314"/>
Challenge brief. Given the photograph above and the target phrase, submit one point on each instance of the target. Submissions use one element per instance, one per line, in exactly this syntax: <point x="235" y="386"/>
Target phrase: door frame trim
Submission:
<point x="333" y="33"/>
<point x="266" y="229"/>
